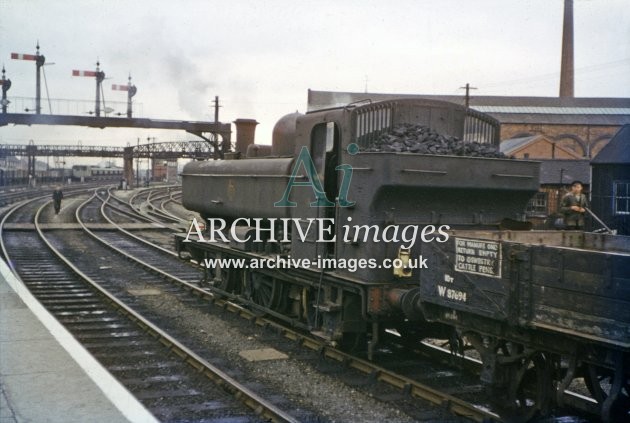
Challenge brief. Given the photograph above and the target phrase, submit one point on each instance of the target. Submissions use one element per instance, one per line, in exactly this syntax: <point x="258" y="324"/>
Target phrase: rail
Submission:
<point x="372" y="120"/>
<point x="262" y="407"/>
<point x="482" y="128"/>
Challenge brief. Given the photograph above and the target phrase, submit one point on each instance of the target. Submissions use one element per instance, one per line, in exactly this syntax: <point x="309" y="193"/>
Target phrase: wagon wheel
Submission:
<point x="600" y="382"/>
<point x="530" y="387"/>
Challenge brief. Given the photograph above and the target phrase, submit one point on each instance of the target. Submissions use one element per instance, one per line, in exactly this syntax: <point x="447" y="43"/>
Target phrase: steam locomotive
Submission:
<point x="541" y="308"/>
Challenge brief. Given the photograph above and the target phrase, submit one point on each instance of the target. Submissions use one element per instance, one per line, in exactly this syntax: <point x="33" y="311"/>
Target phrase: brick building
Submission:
<point x="536" y="147"/>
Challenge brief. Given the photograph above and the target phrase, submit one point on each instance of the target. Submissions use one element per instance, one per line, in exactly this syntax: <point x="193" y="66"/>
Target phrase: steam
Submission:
<point x="325" y="99"/>
<point x="192" y="84"/>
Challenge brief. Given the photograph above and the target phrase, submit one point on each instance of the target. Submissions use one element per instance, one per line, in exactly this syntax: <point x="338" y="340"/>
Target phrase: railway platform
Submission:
<point x="45" y="374"/>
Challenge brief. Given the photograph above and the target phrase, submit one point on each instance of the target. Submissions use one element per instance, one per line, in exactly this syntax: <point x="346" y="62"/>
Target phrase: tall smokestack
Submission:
<point x="566" y="68"/>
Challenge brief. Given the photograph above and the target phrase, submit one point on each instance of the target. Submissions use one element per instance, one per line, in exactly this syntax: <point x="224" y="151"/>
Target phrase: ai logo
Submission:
<point x="305" y="159"/>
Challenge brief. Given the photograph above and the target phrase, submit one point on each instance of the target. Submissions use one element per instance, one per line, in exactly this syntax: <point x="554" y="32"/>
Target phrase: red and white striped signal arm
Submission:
<point x="19" y="56"/>
<point x="117" y="87"/>
<point x="84" y="73"/>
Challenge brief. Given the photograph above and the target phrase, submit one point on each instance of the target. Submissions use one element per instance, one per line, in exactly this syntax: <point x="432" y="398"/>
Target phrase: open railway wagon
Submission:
<point x="541" y="308"/>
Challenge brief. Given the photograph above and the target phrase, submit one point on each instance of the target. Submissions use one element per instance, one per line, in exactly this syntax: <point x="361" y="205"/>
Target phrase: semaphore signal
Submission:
<point x="39" y="60"/>
<point x="100" y="76"/>
<point x="131" y="91"/>
<point x="19" y="56"/>
<point x="6" y="84"/>
<point x="84" y="73"/>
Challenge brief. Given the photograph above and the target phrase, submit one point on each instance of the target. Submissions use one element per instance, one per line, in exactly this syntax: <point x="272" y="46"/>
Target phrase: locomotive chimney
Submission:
<point x="245" y="134"/>
<point x="566" y="68"/>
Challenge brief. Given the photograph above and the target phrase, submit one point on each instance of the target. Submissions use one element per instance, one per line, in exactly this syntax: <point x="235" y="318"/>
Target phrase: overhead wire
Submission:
<point x="555" y="75"/>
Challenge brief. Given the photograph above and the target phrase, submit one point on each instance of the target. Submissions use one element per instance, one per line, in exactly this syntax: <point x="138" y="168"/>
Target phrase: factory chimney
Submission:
<point x="566" y="67"/>
<point x="245" y="134"/>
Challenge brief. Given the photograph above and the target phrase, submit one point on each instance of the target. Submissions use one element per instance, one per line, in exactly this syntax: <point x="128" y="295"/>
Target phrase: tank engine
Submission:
<point x="542" y="306"/>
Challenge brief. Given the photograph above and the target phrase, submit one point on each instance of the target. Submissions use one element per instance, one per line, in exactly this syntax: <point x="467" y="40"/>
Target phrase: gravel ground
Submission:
<point x="300" y="381"/>
<point x="180" y="211"/>
<point x="66" y="214"/>
<point x="123" y="194"/>
<point x="164" y="239"/>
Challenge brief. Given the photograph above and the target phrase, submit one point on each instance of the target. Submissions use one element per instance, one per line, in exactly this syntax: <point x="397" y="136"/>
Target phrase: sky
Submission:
<point x="261" y="57"/>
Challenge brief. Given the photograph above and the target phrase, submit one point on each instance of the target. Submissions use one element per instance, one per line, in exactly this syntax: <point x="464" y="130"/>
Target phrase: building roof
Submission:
<point x="560" y="110"/>
<point x="552" y="172"/>
<point x="513" y="145"/>
<point x="510" y="145"/>
<point x="507" y="109"/>
<point x="617" y="151"/>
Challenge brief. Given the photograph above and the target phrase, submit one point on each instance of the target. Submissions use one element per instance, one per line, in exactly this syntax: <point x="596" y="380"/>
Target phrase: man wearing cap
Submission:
<point x="573" y="206"/>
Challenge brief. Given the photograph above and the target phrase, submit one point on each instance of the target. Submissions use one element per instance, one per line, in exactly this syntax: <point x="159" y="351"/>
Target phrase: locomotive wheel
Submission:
<point x="310" y="314"/>
<point x="228" y="280"/>
<point x="208" y="273"/>
<point x="265" y="291"/>
<point x="410" y="335"/>
<point x="353" y="342"/>
<point x="600" y="382"/>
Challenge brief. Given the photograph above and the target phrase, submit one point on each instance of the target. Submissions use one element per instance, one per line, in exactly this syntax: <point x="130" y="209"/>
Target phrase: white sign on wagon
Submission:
<point x="478" y="256"/>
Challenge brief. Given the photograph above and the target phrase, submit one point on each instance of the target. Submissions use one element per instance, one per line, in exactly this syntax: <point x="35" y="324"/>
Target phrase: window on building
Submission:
<point x="537" y="204"/>
<point x="621" y="197"/>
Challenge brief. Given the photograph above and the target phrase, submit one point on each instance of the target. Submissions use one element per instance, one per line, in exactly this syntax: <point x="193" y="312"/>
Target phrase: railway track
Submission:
<point x="449" y="390"/>
<point x="360" y="371"/>
<point x="150" y="204"/>
<point x="170" y="379"/>
<point x="9" y="196"/>
<point x="157" y="201"/>
<point x="161" y="261"/>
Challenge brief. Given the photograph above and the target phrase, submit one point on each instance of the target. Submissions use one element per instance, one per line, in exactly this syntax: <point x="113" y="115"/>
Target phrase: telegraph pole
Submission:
<point x="216" y="109"/>
<point x="467" y="98"/>
<point x="217" y="154"/>
<point x="138" y="164"/>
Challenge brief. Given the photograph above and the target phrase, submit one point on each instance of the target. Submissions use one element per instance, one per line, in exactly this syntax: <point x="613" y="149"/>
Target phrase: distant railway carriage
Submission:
<point x="81" y="172"/>
<point x="93" y="173"/>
